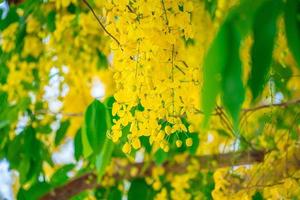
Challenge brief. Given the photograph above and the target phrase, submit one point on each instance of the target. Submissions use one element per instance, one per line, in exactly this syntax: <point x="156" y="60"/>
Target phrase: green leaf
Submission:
<point x="264" y="32"/>
<point x="23" y="168"/>
<point x="3" y="73"/>
<point x="211" y="7"/>
<point x="140" y="190"/>
<point x="194" y="147"/>
<point x="146" y="143"/>
<point x="114" y="194"/>
<point x="95" y="125"/>
<point x="44" y="129"/>
<point x="61" y="175"/>
<point x="3" y="123"/>
<point x="102" y="60"/>
<point x="20" y="35"/>
<point x="160" y="156"/>
<point x="104" y="157"/>
<point x="34" y="192"/>
<point x="292" y="27"/>
<point x="61" y="132"/>
<point x="86" y="147"/>
<point x="51" y="21"/>
<point x="12" y="16"/>
<point x="214" y="63"/>
<point x="281" y="76"/>
<point x="232" y="85"/>
<point x="257" y="196"/>
<point x="77" y="145"/>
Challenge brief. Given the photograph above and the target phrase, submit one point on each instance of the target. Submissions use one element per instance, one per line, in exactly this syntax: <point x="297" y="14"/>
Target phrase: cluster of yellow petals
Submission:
<point x="156" y="67"/>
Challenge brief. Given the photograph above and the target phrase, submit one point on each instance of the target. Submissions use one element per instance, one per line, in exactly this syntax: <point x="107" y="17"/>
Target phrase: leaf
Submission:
<point x="232" y="85"/>
<point x="23" y="168"/>
<point x="3" y="123"/>
<point x="78" y="145"/>
<point x="38" y="190"/>
<point x="102" y="60"/>
<point x="140" y="190"/>
<point x="146" y="144"/>
<point x="160" y="156"/>
<point x="3" y="73"/>
<point x="264" y="32"/>
<point x="281" y="76"/>
<point x="214" y="63"/>
<point x="104" y="157"/>
<point x="44" y="129"/>
<point x="61" y="175"/>
<point x="114" y="194"/>
<point x="51" y="21"/>
<point x="35" y="191"/>
<point x="86" y="147"/>
<point x="95" y="125"/>
<point x="292" y="27"/>
<point x="211" y="7"/>
<point x="12" y="16"/>
<point x="61" y="132"/>
<point x="257" y="196"/>
<point x="195" y="145"/>
<point x="20" y="35"/>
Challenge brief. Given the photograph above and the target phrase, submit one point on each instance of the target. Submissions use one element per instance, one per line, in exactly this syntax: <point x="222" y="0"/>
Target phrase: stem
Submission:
<point x="100" y="23"/>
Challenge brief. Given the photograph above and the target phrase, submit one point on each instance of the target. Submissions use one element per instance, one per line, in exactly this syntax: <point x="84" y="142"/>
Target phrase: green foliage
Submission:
<point x="112" y="193"/>
<point x="78" y="145"/>
<point x="61" y="175"/>
<point x="213" y="70"/>
<point x="292" y="27"/>
<point x="160" y="156"/>
<point x="51" y="21"/>
<point x="35" y="192"/>
<point x="102" y="60"/>
<point x="11" y="17"/>
<point x="95" y="126"/>
<point x="232" y="85"/>
<point x="257" y="196"/>
<point x="140" y="190"/>
<point x="211" y="7"/>
<point x="264" y="32"/>
<point x="61" y="132"/>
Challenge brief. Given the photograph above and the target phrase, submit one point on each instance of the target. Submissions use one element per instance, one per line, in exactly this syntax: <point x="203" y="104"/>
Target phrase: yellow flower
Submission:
<point x="189" y="142"/>
<point x="126" y="148"/>
<point x="178" y="143"/>
<point x="32" y="46"/>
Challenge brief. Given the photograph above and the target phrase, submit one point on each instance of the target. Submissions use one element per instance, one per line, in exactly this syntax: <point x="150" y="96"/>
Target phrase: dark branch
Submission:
<point x="283" y="104"/>
<point x="89" y="181"/>
<point x="100" y="23"/>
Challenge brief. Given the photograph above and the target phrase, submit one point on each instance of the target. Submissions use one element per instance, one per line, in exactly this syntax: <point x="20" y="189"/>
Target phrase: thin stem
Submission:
<point x="100" y="23"/>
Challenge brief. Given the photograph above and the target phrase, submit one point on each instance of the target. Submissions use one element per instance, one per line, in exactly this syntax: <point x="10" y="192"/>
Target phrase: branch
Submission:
<point x="89" y="181"/>
<point x="283" y="104"/>
<point x="66" y="114"/>
<point x="264" y="106"/>
<point x="100" y="23"/>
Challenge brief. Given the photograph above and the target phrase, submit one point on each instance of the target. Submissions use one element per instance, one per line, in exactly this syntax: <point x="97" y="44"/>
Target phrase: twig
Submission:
<point x="67" y="114"/>
<point x="102" y="26"/>
<point x="283" y="104"/>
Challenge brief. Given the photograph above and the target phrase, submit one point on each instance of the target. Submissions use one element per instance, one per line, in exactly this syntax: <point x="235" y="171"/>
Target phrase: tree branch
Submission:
<point x="100" y="23"/>
<point x="89" y="181"/>
<point x="283" y="104"/>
